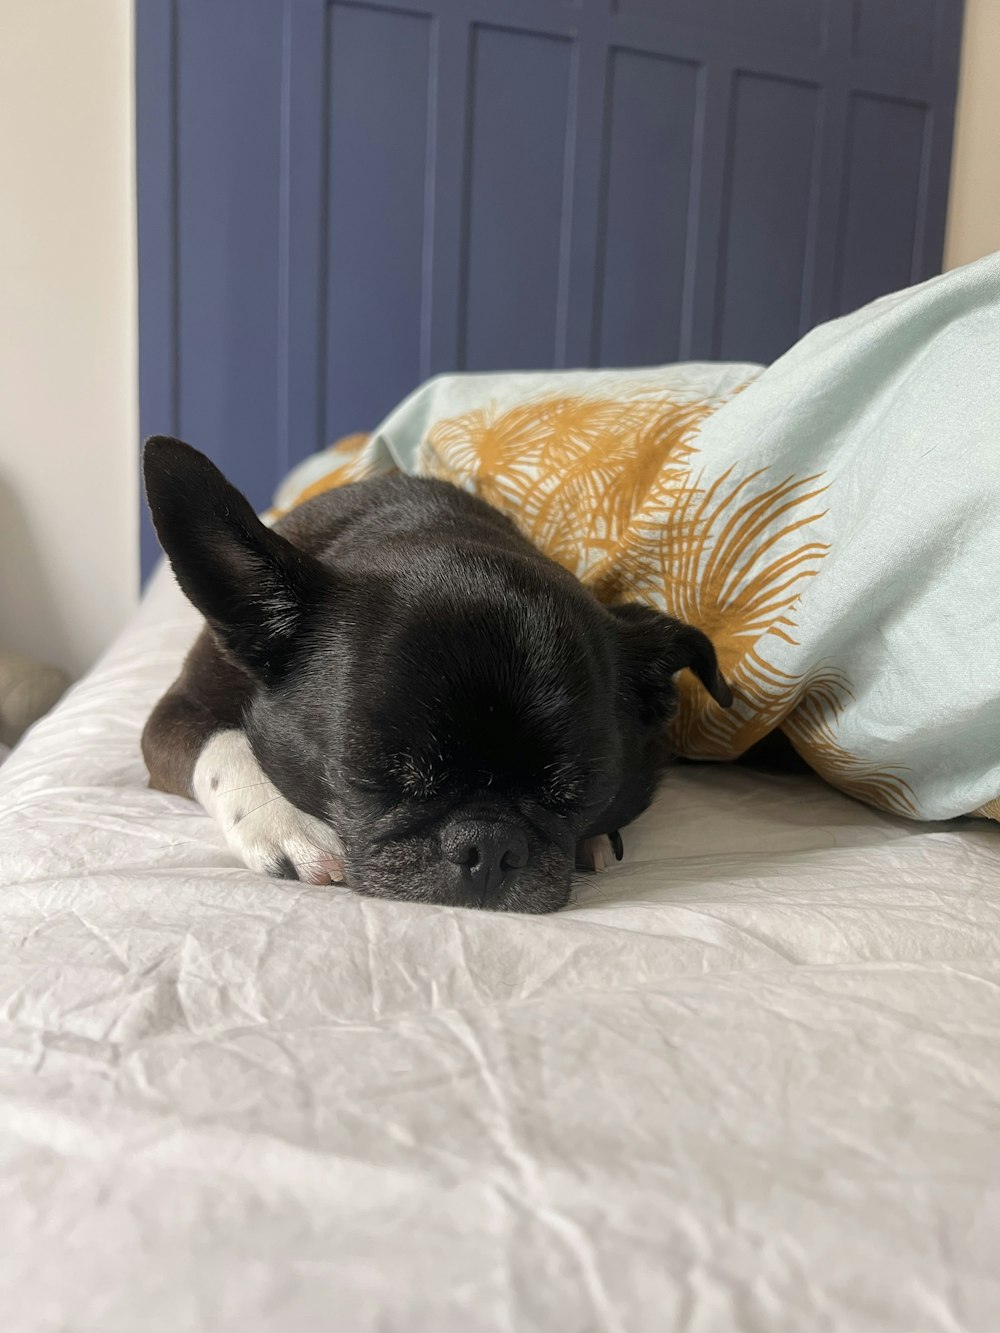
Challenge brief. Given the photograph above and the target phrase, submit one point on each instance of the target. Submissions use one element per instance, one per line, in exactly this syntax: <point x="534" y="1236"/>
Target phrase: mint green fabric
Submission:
<point x="883" y="666"/>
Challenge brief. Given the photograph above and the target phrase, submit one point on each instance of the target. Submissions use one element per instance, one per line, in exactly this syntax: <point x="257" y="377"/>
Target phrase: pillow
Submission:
<point x="832" y="522"/>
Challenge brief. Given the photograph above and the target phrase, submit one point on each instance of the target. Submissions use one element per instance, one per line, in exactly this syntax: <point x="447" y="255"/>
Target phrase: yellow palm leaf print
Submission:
<point x="605" y="487"/>
<point x="613" y="489"/>
<point x="811" y="727"/>
<point x="571" y="470"/>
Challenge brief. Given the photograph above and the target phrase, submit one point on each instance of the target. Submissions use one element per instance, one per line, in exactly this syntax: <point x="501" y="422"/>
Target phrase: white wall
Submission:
<point x="68" y="417"/>
<point x="974" y="203"/>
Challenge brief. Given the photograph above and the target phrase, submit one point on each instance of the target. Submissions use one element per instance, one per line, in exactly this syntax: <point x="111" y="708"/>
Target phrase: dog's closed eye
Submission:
<point x="415" y="776"/>
<point x="563" y="786"/>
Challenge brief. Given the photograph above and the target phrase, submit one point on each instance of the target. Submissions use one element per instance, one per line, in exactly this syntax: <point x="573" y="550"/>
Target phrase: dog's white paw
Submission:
<point x="264" y="830"/>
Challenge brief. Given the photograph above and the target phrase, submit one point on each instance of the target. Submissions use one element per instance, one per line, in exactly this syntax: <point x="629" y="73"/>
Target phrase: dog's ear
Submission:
<point x="252" y="586"/>
<point x="654" y="648"/>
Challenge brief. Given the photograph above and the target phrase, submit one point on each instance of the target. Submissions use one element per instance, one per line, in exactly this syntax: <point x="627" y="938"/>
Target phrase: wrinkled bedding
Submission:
<point x="750" y="1080"/>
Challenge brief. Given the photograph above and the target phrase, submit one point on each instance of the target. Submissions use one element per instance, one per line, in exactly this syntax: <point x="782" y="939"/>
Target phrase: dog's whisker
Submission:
<point x="248" y="786"/>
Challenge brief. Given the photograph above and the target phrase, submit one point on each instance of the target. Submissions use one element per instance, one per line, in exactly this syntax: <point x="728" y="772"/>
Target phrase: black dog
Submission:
<point x="396" y="688"/>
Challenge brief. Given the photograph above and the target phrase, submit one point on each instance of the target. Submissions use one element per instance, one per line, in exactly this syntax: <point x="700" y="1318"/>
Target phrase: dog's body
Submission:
<point x="396" y="688"/>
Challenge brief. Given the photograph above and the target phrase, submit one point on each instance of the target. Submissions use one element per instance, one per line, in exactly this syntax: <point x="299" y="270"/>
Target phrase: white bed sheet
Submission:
<point x="749" y="1081"/>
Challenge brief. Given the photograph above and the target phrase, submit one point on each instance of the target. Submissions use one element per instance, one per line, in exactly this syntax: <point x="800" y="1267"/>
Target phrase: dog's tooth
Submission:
<point x="593" y="854"/>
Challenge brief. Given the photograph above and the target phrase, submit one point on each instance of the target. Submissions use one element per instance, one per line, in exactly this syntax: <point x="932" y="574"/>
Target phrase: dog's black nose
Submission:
<point x="486" y="851"/>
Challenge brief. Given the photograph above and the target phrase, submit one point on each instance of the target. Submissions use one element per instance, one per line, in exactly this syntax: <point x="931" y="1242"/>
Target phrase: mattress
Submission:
<point x="749" y="1080"/>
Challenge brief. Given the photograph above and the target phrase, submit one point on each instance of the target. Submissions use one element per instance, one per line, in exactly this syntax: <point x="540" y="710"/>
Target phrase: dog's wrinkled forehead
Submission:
<point x="487" y="697"/>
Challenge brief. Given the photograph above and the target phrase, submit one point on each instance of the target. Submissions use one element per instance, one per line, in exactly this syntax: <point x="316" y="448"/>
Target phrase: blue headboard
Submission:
<point x="337" y="200"/>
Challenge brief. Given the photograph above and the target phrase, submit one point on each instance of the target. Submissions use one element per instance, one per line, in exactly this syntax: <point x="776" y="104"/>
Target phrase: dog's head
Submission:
<point x="460" y="722"/>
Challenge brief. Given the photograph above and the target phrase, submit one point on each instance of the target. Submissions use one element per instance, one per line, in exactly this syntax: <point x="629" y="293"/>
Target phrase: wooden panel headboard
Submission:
<point x="338" y="199"/>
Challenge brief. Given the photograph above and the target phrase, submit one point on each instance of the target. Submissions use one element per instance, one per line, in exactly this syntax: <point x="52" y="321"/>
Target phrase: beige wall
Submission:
<point x="68" y="432"/>
<point x="974" y="205"/>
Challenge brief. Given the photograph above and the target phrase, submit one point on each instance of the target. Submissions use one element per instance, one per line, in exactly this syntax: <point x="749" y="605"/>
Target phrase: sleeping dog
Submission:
<point x="397" y="690"/>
